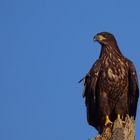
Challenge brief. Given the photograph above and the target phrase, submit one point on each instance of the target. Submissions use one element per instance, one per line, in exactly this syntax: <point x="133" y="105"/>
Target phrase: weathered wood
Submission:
<point x="119" y="131"/>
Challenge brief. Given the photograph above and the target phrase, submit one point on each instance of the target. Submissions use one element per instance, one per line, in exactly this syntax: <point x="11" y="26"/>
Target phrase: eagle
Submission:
<point x="111" y="86"/>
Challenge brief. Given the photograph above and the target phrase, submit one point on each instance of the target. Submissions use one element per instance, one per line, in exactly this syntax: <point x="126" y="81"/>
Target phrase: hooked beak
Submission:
<point x="95" y="38"/>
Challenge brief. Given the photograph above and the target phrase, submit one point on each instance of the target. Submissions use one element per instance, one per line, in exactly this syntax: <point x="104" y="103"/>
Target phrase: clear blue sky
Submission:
<point x="45" y="48"/>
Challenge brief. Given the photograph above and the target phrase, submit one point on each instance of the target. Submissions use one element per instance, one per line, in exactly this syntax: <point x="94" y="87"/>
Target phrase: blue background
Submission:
<point x="45" y="48"/>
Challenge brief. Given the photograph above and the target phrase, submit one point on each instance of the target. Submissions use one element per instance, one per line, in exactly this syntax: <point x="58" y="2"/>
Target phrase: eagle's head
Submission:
<point x="104" y="38"/>
<point x="108" y="43"/>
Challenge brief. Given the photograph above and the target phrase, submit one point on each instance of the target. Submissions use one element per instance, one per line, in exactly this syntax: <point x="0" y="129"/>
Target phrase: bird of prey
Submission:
<point x="111" y="86"/>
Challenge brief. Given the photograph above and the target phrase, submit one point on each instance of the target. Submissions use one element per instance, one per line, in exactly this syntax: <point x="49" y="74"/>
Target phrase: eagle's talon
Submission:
<point x="119" y="118"/>
<point x="108" y="121"/>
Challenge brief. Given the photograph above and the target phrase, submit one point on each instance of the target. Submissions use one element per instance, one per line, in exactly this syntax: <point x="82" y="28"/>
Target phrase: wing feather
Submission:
<point x="90" y="82"/>
<point x="133" y="89"/>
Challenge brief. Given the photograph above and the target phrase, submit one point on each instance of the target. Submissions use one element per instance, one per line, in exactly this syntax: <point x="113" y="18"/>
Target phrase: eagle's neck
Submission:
<point x="110" y="50"/>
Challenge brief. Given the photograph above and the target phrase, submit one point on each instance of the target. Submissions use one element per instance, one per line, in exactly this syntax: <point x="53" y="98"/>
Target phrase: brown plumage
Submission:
<point x="111" y="85"/>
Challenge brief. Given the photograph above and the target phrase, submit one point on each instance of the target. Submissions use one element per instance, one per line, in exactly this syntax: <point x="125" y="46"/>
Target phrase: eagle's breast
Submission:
<point x="112" y="75"/>
<point x="115" y="70"/>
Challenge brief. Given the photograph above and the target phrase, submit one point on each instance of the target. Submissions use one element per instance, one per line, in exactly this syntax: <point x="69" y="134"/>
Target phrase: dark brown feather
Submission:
<point x="133" y="90"/>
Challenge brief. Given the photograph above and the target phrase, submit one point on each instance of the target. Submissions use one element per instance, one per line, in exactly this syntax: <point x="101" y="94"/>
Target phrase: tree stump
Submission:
<point x="119" y="131"/>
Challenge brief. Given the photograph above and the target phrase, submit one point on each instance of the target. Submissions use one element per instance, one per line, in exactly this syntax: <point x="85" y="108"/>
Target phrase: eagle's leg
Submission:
<point x="119" y="118"/>
<point x="108" y="121"/>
